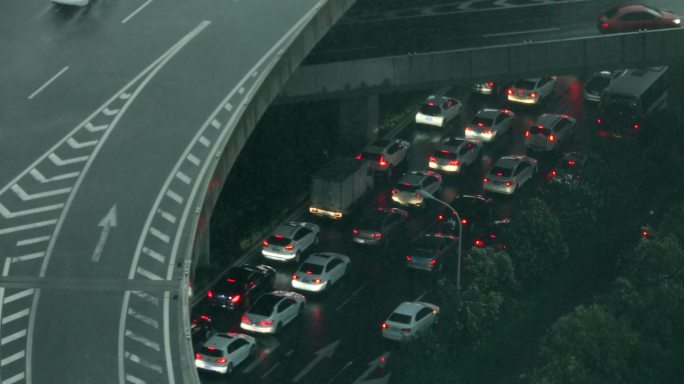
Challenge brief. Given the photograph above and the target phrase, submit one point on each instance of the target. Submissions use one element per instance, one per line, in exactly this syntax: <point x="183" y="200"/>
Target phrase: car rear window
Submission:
<point x="372" y="156"/>
<point x="278" y="240"/>
<point x="264" y="305"/>
<point x="536" y="129"/>
<point x="501" y="171"/>
<point x="598" y="83"/>
<point x="400" y="318"/>
<point x="445" y="154"/>
<point x="431" y="110"/>
<point x="211" y="352"/>
<point x="480" y="121"/>
<point x="310" y="268"/>
<point x="524" y="84"/>
<point x="406" y="188"/>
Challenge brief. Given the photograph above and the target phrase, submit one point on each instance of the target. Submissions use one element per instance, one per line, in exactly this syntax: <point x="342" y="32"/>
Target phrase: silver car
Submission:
<point x="454" y="154"/>
<point x="409" y="319"/>
<point x="272" y="311"/>
<point x="510" y="173"/>
<point x="290" y="240"/>
<point x="385" y="154"/>
<point x="597" y="82"/>
<point x="438" y="110"/>
<point x="488" y="124"/>
<point x="549" y="132"/>
<point x="405" y="192"/>
<point x="531" y="91"/>
<point x="224" y="351"/>
<point x="320" y="271"/>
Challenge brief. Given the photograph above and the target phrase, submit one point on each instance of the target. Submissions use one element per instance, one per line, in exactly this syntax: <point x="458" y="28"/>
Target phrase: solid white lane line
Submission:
<point x="351" y="296"/>
<point x="521" y="32"/>
<point x="140" y="8"/>
<point x="53" y="78"/>
<point x="33" y="240"/>
<point x="270" y="370"/>
<point x="27" y="226"/>
<point x="18" y="296"/>
<point x="421" y="296"/>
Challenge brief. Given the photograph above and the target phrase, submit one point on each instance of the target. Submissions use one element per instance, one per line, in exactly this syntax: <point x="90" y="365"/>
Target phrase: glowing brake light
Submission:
<point x="355" y="231"/>
<point x="487" y="132"/>
<point x="604" y="25"/>
<point x="454" y="162"/>
<point x="264" y="243"/>
<point x="235" y="299"/>
<point x="359" y="157"/>
<point x="508" y="183"/>
<point x="431" y="103"/>
<point x="244" y="319"/>
<point x="198" y="356"/>
<point x="533" y="94"/>
<point x="571" y="162"/>
<point x="645" y="234"/>
<point x="490" y="84"/>
<point x="599" y="120"/>
<point x="408" y="258"/>
<point x="377" y="235"/>
<point x="468" y="129"/>
<point x="230" y="280"/>
<point x="552" y="173"/>
<point x="394" y="191"/>
<point x="295" y="277"/>
<point x="266" y="323"/>
<point x="221" y="360"/>
<point x="317" y="281"/>
<point x="552" y="138"/>
<point x="210" y="294"/>
<point x="432" y="159"/>
<point x="479" y="243"/>
<point x="480" y="124"/>
<point x="440" y="217"/>
<point x="485" y="180"/>
<point x="384" y="325"/>
<point x="418" y="195"/>
<point x="308" y="272"/>
<point x="289" y="247"/>
<point x="382" y="161"/>
<point x="527" y="133"/>
<point x="636" y="126"/>
<point x="464" y="221"/>
<point x="510" y="91"/>
<point x="432" y="262"/>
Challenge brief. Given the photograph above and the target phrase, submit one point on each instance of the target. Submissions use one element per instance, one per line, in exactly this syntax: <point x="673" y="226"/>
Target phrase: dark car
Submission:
<point x="200" y="328"/>
<point x="429" y="252"/>
<point x="494" y="237"/>
<point x="636" y="17"/>
<point x="241" y="285"/>
<point x="378" y="226"/>
<point x="597" y="82"/>
<point x="475" y="212"/>
<point x="570" y="168"/>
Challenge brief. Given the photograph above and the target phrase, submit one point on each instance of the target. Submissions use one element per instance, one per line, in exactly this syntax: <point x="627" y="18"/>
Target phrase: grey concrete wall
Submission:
<point x="462" y="67"/>
<point x="358" y="122"/>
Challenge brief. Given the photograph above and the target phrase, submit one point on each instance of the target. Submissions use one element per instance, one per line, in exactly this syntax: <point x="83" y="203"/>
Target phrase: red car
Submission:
<point x="635" y="17"/>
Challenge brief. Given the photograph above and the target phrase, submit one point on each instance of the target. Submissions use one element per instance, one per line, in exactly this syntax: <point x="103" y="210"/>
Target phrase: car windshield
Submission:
<point x="211" y="352"/>
<point x="537" y="129"/>
<point x="372" y="156"/>
<point x="597" y="83"/>
<point x="310" y="268"/>
<point x="501" y="172"/>
<point x="406" y="188"/>
<point x="612" y="12"/>
<point x="479" y="121"/>
<point x="445" y="154"/>
<point x="431" y="110"/>
<point x="278" y="240"/>
<point x="400" y="318"/>
<point x="524" y="84"/>
<point x="264" y="305"/>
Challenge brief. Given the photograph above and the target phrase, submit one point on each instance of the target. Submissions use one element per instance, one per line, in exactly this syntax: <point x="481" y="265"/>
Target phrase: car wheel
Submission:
<point x="440" y="267"/>
<point x="279" y="328"/>
<point x="229" y="368"/>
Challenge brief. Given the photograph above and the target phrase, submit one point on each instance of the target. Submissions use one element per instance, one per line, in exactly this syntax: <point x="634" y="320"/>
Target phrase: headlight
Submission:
<point x="677" y="21"/>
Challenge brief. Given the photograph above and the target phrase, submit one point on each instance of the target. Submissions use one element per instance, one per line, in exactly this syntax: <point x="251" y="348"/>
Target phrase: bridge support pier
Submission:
<point x="358" y="122"/>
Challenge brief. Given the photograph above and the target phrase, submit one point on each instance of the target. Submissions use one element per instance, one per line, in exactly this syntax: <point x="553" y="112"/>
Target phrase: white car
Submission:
<point x="78" y="3"/>
<point x="290" y="240"/>
<point x="272" y="311"/>
<point x="454" y="154"/>
<point x="224" y="351"/>
<point x="409" y="319"/>
<point x="531" y="91"/>
<point x="319" y="271"/>
<point x="385" y="154"/>
<point x="405" y="191"/>
<point x="549" y="132"/>
<point x="438" y="110"/>
<point x="488" y="124"/>
<point x="509" y="173"/>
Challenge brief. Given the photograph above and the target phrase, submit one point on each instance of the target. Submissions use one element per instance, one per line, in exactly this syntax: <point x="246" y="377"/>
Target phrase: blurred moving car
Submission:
<point x="509" y="173"/>
<point x="290" y="240"/>
<point x="531" y="91"/>
<point x="272" y="311"/>
<point x="486" y="88"/>
<point x="570" y="168"/>
<point x="636" y="17"/>
<point x="597" y="82"/>
<point x="385" y="154"/>
<point x="454" y="154"/>
<point x="475" y="212"/>
<point x="224" y="351"/>
<point x="241" y="285"/>
<point x="78" y="3"/>
<point x="320" y="271"/>
<point x="488" y="124"/>
<point x="428" y="252"/>
<point x="379" y="225"/>
<point x="409" y="319"/>
<point x="549" y="132"/>
<point x="438" y="110"/>
<point x="200" y="328"/>
<point x="405" y="192"/>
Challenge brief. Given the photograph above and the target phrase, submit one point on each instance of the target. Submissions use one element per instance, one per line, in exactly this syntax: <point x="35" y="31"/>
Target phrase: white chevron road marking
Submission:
<point x="32" y="196"/>
<point x="7" y="214"/>
<point x="95" y="128"/>
<point x="42" y="179"/>
<point x="62" y="162"/>
<point x="78" y="145"/>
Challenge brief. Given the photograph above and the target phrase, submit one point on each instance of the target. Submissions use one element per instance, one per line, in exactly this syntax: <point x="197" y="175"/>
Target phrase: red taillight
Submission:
<point x="552" y="173"/>
<point x="604" y="25"/>
<point x="235" y="299"/>
<point x="394" y="191"/>
<point x="432" y="262"/>
<point x="244" y="319"/>
<point x="508" y="183"/>
<point x="210" y="294"/>
<point x="384" y="325"/>
<point x="264" y="243"/>
<point x="198" y="356"/>
<point x="377" y="235"/>
<point x="485" y="180"/>
<point x="309" y="272"/>
<point x="645" y="234"/>
<point x="355" y="231"/>
<point x="636" y="126"/>
<point x="527" y="133"/>
<point x="479" y="243"/>
<point x="571" y="162"/>
<point x="205" y="317"/>
<point x="480" y="124"/>
<point x="454" y="162"/>
<point x="492" y="235"/>
<point x="533" y="94"/>
<point x="289" y="247"/>
<point x="490" y="84"/>
<point x="599" y="120"/>
<point x="408" y="258"/>
<point x="221" y="360"/>
<point x="431" y="103"/>
<point x="440" y="217"/>
<point x="265" y="323"/>
<point x="464" y="221"/>
<point x="468" y="129"/>
<point x="487" y="132"/>
<point x="359" y="157"/>
<point x="510" y="91"/>
<point x="432" y="159"/>
<point x="552" y="138"/>
<point x="295" y="277"/>
<point x="317" y="281"/>
<point x="382" y="161"/>
<point x="418" y="195"/>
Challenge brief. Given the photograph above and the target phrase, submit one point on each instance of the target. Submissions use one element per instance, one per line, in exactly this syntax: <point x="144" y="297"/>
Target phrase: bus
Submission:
<point x="631" y="102"/>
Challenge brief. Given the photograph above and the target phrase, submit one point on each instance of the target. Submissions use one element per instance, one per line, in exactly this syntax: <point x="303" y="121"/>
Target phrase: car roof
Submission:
<point x="381" y="143"/>
<point x="412" y="178"/>
<point x="488" y="112"/>
<point x="548" y="119"/>
<point x="408" y="308"/>
<point x="286" y="230"/>
<point x="507" y="162"/>
<point x="220" y="340"/>
<point x="630" y="8"/>
<point x="319" y="258"/>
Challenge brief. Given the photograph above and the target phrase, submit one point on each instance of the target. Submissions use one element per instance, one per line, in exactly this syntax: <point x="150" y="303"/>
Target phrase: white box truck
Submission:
<point x="337" y="187"/>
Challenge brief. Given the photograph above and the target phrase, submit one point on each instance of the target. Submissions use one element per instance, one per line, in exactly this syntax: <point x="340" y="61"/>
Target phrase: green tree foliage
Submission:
<point x="426" y="356"/>
<point x="538" y="248"/>
<point x="673" y="222"/>
<point x="491" y="270"/>
<point x="589" y="346"/>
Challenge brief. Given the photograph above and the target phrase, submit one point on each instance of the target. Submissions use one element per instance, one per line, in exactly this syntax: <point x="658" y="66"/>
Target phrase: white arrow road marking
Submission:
<point x="125" y="96"/>
<point x="110" y="112"/>
<point x="372" y="366"/>
<point x="28" y="226"/>
<point x="327" y="351"/>
<point x="262" y="355"/>
<point x="107" y="223"/>
<point x="340" y="372"/>
<point x="26" y="196"/>
<point x="31" y="96"/>
<point x="78" y="145"/>
<point x="339" y="307"/>
<point x="95" y="128"/>
<point x="42" y="179"/>
<point x="7" y="214"/>
<point x="61" y="162"/>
